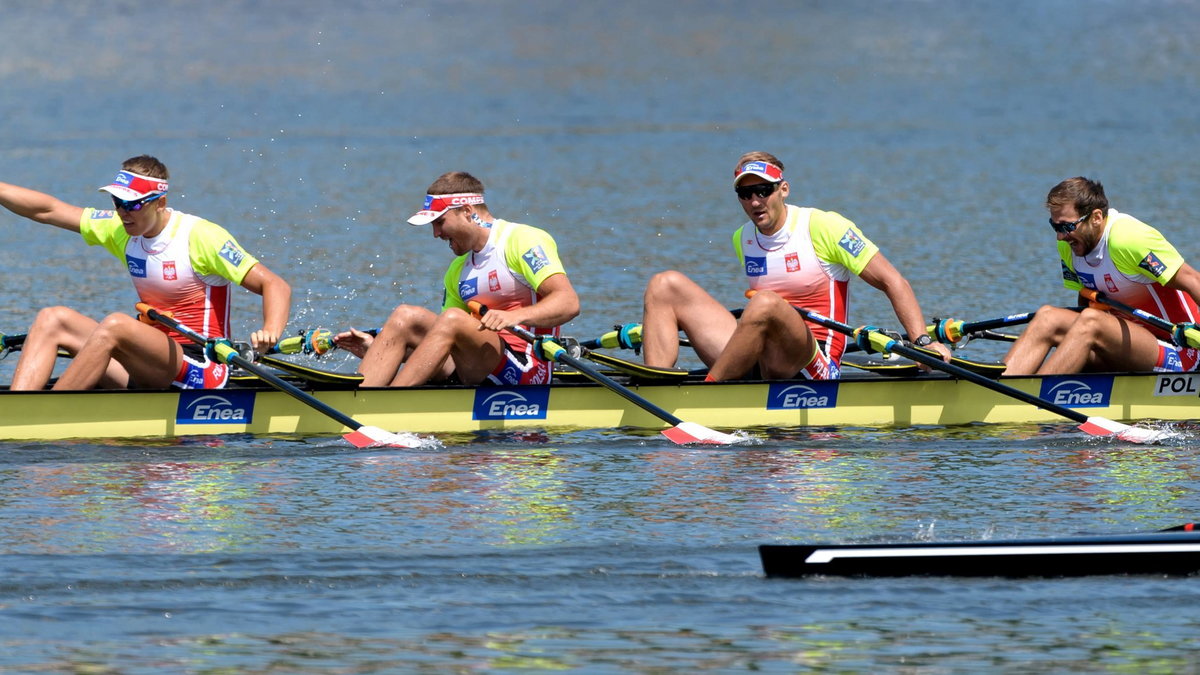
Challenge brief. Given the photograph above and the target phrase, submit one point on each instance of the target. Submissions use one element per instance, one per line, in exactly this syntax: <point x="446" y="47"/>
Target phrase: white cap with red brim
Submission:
<point x="436" y="205"/>
<point x="764" y="170"/>
<point x="129" y="186"/>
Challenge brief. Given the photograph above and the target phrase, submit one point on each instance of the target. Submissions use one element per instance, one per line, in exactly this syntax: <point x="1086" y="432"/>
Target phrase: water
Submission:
<point x="311" y="133"/>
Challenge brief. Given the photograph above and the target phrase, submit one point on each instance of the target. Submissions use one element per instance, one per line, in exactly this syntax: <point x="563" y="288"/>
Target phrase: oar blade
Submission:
<point x="691" y="432"/>
<point x="1101" y="426"/>
<point x="374" y="437"/>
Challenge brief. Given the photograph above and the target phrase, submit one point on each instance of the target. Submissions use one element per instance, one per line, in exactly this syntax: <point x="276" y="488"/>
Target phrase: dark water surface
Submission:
<point x="311" y="130"/>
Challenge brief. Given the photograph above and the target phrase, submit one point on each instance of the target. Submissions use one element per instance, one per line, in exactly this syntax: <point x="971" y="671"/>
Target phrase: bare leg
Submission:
<point x="1044" y="333"/>
<point x="770" y="333"/>
<point x="1098" y="340"/>
<point x="145" y="354"/>
<point x="673" y="302"/>
<point x="56" y="328"/>
<point x="404" y="330"/>
<point x="455" y="340"/>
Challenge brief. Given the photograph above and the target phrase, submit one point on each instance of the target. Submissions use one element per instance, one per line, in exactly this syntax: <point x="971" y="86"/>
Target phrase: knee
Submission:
<point x="405" y="316"/>
<point x="764" y="304"/>
<point x="52" y="317"/>
<point x="666" y="286"/>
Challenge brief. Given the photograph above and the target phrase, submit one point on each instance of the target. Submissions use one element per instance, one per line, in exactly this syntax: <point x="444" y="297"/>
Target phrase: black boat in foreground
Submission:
<point x="1174" y="551"/>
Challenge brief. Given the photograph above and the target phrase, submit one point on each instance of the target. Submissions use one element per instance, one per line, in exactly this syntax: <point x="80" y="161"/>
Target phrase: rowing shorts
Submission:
<point x="1173" y="359"/>
<point x="820" y="368"/>
<point x="518" y="365"/>
<point x="197" y="372"/>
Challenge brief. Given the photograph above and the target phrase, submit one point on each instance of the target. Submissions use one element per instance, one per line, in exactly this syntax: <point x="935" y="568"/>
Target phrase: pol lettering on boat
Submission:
<point x="802" y="396"/>
<point x="511" y="403"/>
<point x="215" y="406"/>
<point x="1078" y="391"/>
<point x="1177" y="385"/>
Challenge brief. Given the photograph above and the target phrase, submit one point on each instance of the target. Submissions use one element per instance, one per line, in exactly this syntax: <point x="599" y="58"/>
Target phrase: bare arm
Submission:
<point x="881" y="274"/>
<point x="276" y="304"/>
<point x="1187" y="279"/>
<point x="40" y="206"/>
<point x="557" y="304"/>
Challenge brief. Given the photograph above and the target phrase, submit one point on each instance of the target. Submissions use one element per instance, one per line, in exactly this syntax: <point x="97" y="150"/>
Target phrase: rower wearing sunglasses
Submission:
<point x="180" y="264"/>
<point x="793" y="257"/>
<point x="1101" y="249"/>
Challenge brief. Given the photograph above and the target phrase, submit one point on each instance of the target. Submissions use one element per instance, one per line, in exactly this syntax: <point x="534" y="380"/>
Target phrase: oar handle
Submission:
<point x="1190" y="333"/>
<point x="556" y="352"/>
<point x="225" y="352"/>
<point x="316" y="341"/>
<point x="885" y="343"/>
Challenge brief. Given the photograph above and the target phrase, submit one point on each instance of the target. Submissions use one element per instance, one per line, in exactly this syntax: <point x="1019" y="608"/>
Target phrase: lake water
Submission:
<point x="311" y="130"/>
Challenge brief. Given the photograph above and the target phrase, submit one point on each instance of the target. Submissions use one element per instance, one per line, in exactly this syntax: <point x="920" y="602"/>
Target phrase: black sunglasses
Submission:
<point x="760" y="190"/>
<point x="1066" y="227"/>
<point x="135" y="205"/>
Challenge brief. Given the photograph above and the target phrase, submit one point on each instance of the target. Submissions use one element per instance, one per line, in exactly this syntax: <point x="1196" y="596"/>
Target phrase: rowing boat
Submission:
<point x="1175" y="551"/>
<point x="859" y="400"/>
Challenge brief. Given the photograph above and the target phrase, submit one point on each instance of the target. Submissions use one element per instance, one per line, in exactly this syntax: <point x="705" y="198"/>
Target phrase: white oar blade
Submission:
<point x="690" y="432"/>
<point x="374" y="437"/>
<point x="1100" y="426"/>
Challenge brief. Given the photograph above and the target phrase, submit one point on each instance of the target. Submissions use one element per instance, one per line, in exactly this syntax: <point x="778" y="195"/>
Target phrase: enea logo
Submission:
<point x="137" y="266"/>
<point x="515" y="403"/>
<point x="215" y="406"/>
<point x="756" y="266"/>
<point x="802" y="395"/>
<point x="1078" y="391"/>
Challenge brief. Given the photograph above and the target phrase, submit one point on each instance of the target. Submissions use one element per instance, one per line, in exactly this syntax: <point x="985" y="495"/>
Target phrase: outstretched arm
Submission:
<point x="39" y="206"/>
<point x="881" y="274"/>
<point x="276" y="301"/>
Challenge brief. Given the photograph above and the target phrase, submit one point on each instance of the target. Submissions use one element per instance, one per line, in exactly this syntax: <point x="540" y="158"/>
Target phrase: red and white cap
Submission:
<point x="764" y="170"/>
<point x="436" y="205"/>
<point x="129" y="186"/>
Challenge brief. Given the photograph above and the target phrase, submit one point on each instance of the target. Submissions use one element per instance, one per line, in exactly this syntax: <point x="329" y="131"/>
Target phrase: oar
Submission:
<point x="317" y="341"/>
<point x="951" y="331"/>
<point x="1190" y="333"/>
<point x="879" y="341"/>
<point x="361" y="436"/>
<point x="681" y="432"/>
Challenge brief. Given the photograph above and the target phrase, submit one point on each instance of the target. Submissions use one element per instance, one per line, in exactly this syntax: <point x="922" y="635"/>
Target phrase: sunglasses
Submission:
<point x="135" y="205"/>
<point x="760" y="190"/>
<point x="1066" y="227"/>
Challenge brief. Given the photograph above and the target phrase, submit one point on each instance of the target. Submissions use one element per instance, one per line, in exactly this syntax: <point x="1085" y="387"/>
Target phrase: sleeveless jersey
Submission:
<point x="185" y="270"/>
<point x="809" y="263"/>
<point x="506" y="273"/>
<point x="1130" y="263"/>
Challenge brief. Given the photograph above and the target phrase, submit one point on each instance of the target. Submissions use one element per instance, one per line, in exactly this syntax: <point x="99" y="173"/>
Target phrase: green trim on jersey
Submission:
<point x="835" y="239"/>
<point x="520" y="239"/>
<point x="212" y="250"/>
<point x="1130" y="242"/>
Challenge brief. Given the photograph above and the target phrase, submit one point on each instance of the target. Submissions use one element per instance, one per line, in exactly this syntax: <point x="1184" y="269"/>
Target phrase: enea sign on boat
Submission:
<point x="511" y="403"/>
<point x="802" y="395"/>
<point x="1078" y="391"/>
<point x="215" y="406"/>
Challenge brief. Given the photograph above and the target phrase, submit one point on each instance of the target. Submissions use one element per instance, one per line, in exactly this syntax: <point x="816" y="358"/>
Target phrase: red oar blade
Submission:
<point x="1100" y="426"/>
<point x="690" y="432"/>
<point x="374" y="437"/>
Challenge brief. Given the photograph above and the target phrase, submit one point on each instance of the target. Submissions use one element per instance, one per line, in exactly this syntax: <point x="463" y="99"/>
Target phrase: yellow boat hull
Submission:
<point x="867" y="402"/>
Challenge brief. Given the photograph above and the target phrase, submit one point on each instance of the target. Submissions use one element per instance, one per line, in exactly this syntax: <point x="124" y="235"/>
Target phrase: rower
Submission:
<point x="792" y="257"/>
<point x="179" y="263"/>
